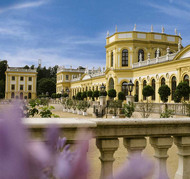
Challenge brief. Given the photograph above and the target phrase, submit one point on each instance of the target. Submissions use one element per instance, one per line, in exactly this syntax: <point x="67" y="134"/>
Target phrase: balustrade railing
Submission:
<point x="161" y="59"/>
<point x="162" y="134"/>
<point x="177" y="108"/>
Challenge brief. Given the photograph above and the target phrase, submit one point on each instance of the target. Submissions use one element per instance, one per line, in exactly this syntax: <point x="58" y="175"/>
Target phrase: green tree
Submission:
<point x="95" y="94"/>
<point x="84" y="95"/>
<point x="121" y="96"/>
<point x="26" y="67"/>
<point x="182" y="90"/>
<point x="89" y="94"/>
<point x="32" y="67"/>
<point x="164" y="92"/>
<point x="129" y="109"/>
<point x="148" y="91"/>
<point x="2" y="89"/>
<point x="112" y="93"/>
<point x="103" y="93"/>
<point x="78" y="96"/>
<point x="177" y="96"/>
<point x="46" y="85"/>
<point x="3" y="68"/>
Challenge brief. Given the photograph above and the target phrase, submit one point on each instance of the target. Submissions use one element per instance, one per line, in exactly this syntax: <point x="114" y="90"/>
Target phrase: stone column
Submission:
<point x="134" y="145"/>
<point x="107" y="148"/>
<point x="102" y="100"/>
<point x="161" y="146"/>
<point x="183" y="144"/>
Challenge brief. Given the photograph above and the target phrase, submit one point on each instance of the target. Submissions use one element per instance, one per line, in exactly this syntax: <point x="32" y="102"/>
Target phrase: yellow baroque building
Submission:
<point x="146" y="58"/>
<point x="20" y="83"/>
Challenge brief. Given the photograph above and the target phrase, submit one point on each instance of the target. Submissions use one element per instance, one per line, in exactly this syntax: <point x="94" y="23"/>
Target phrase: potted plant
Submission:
<point x="84" y="107"/>
<point x="79" y="107"/>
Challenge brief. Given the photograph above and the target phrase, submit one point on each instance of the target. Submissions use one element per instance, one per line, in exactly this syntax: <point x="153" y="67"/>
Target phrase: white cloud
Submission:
<point x="49" y="57"/>
<point x="172" y="11"/>
<point x="23" y="6"/>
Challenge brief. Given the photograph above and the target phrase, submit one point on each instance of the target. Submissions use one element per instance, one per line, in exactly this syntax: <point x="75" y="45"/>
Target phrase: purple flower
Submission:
<point x="74" y="165"/>
<point x="18" y="157"/>
<point x="138" y="167"/>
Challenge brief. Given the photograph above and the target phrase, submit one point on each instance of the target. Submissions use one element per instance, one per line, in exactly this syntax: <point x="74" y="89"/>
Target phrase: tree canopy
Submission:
<point x="46" y="85"/>
<point x="164" y="92"/>
<point x="148" y="91"/>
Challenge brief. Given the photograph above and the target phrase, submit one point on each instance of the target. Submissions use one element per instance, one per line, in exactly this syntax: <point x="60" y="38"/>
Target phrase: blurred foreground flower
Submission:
<point x="24" y="158"/>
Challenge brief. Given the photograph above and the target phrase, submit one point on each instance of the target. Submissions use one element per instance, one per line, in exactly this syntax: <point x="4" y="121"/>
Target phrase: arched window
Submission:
<point x="111" y="83"/>
<point x="111" y="59"/>
<point x="154" y="87"/>
<point x="86" y="88"/>
<point x="93" y="88"/>
<point x="186" y="79"/>
<point x="125" y="57"/>
<point x="137" y="90"/>
<point x="156" y="53"/>
<point x="12" y="95"/>
<point x="96" y="88"/>
<point x="173" y="86"/>
<point x="144" y="84"/>
<point x="141" y="51"/>
<point x="29" y="95"/>
<point x="124" y="88"/>
<point x="163" y="81"/>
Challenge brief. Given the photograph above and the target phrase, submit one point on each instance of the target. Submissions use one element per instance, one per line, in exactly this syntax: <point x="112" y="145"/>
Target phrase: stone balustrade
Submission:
<point x="162" y="134"/>
<point x="153" y="61"/>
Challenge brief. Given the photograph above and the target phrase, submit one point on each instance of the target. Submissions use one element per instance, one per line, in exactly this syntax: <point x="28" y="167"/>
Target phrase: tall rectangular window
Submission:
<point x="21" y="87"/>
<point x="29" y="78"/>
<point x="67" y="77"/>
<point x="12" y="87"/>
<point x="29" y="87"/>
<point x="13" y="78"/>
<point x="21" y="78"/>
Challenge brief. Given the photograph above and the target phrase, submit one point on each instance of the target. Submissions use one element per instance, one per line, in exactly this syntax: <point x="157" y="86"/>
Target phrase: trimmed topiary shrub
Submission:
<point x="95" y="94"/>
<point x="183" y="90"/>
<point x="53" y="95"/>
<point x="112" y="93"/>
<point x="103" y="93"/>
<point x="121" y="96"/>
<point x="89" y="94"/>
<point x="177" y="96"/>
<point x="84" y="95"/>
<point x="78" y="96"/>
<point x="148" y="91"/>
<point x="65" y="95"/>
<point x="164" y="92"/>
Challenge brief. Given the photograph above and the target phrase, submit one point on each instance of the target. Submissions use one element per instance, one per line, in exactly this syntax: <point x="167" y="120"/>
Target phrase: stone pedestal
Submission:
<point x="130" y="99"/>
<point x="102" y="100"/>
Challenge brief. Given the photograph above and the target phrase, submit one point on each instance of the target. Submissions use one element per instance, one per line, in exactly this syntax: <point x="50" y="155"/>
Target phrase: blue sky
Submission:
<point x="73" y="32"/>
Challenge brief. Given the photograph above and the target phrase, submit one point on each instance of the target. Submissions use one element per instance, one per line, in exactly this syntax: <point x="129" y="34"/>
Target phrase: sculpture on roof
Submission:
<point x="135" y="27"/>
